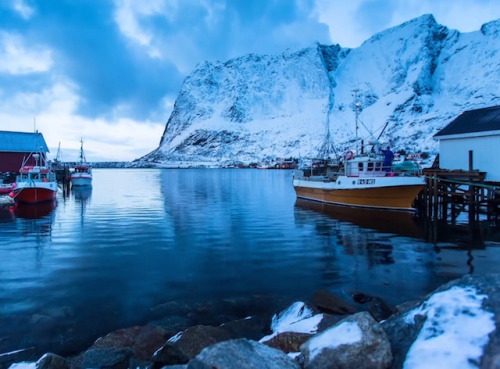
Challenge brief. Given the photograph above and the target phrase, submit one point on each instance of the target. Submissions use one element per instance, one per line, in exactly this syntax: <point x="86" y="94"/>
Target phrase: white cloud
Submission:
<point x="52" y="112"/>
<point x="23" y="9"/>
<point x="18" y="57"/>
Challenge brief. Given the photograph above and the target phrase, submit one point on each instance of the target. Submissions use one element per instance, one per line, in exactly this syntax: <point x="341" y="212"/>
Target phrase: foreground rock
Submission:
<point x="356" y="342"/>
<point x="242" y="354"/>
<point x="454" y="327"/>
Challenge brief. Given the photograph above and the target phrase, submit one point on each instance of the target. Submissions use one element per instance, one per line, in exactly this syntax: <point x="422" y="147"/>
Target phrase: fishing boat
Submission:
<point x="5" y="189"/>
<point x="361" y="177"/>
<point x="81" y="175"/>
<point x="360" y="181"/>
<point x="34" y="183"/>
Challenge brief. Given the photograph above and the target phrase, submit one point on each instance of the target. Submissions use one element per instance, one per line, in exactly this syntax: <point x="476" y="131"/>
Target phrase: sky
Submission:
<point x="108" y="71"/>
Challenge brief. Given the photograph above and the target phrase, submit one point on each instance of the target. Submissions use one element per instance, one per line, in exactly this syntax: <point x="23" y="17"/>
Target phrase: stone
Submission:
<point x="379" y="309"/>
<point x="144" y="341"/>
<point x="52" y="361"/>
<point x="107" y="358"/>
<point x="288" y="341"/>
<point x="186" y="345"/>
<point x="242" y="354"/>
<point x="357" y="341"/>
<point x="327" y="302"/>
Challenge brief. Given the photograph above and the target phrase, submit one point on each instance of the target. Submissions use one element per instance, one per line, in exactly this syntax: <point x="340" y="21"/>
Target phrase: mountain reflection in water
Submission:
<point x="142" y="242"/>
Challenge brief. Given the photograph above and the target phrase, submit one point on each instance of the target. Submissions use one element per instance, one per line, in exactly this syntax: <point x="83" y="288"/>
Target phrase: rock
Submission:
<point x="252" y="328"/>
<point x="379" y="309"/>
<point x="465" y="312"/>
<point x="8" y="358"/>
<point x="288" y="341"/>
<point x="107" y="358"/>
<point x="401" y="335"/>
<point x="329" y="303"/>
<point x="328" y="321"/>
<point x="357" y="341"/>
<point x="144" y="341"/>
<point x="186" y="345"/>
<point x="52" y="361"/>
<point x="242" y="354"/>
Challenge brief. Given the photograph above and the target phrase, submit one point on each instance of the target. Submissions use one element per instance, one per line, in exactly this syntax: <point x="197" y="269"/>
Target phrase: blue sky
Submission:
<point x="109" y="71"/>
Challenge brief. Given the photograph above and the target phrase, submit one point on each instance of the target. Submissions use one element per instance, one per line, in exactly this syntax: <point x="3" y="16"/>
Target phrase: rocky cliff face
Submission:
<point x="409" y="80"/>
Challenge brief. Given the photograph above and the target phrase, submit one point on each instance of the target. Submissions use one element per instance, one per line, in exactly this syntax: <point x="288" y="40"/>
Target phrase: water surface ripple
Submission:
<point x="104" y="257"/>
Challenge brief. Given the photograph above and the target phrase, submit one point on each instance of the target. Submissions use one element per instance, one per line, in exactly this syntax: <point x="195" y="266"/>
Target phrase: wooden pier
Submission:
<point x="451" y="192"/>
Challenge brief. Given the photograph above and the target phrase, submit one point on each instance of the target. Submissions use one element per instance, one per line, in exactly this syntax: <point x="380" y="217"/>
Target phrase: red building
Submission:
<point x="15" y="147"/>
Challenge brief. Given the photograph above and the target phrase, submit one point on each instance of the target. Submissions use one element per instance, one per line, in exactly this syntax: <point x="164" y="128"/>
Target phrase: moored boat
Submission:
<point x="360" y="177"/>
<point x="81" y="175"/>
<point x="360" y="181"/>
<point x="35" y="183"/>
<point x="5" y="189"/>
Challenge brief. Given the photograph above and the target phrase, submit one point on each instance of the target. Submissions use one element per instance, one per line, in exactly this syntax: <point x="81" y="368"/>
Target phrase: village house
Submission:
<point x="472" y="142"/>
<point x="16" y="146"/>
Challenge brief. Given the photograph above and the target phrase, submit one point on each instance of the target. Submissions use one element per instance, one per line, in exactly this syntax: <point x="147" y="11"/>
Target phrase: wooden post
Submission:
<point x="471" y="160"/>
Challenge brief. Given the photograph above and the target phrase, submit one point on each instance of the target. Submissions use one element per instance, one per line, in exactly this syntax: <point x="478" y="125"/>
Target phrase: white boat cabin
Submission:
<point x="365" y="166"/>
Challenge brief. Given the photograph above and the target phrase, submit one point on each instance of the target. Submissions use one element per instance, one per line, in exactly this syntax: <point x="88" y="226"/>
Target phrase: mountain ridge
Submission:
<point x="411" y="80"/>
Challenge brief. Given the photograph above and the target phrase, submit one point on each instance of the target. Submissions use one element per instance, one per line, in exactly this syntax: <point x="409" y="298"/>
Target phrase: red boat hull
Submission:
<point x="34" y="195"/>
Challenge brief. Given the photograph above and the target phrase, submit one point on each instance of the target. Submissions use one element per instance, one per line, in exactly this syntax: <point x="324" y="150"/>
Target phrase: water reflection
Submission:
<point x="400" y="223"/>
<point x="33" y="211"/>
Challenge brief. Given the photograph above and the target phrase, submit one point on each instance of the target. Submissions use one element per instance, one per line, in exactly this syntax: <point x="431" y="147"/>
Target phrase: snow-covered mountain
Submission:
<point x="410" y="80"/>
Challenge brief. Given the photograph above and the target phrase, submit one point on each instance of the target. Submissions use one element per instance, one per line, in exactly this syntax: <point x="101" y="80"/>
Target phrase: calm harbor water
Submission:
<point x="104" y="258"/>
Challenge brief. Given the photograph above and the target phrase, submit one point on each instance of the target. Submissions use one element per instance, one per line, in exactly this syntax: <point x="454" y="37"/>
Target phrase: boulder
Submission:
<point x="8" y="358"/>
<point x="144" y="341"/>
<point x="455" y="325"/>
<point x="242" y="354"/>
<point x="187" y="344"/>
<point x="107" y="358"/>
<point x="288" y="341"/>
<point x="379" y="309"/>
<point x="329" y="303"/>
<point x="52" y="361"/>
<point x="357" y="341"/>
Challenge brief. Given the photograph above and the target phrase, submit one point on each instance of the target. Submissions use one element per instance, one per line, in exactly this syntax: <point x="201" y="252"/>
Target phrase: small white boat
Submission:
<point x="81" y="175"/>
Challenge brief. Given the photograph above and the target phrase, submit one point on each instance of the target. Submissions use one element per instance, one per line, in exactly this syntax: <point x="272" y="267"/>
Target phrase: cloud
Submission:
<point x="52" y="111"/>
<point x="20" y="58"/>
<point x="105" y="70"/>
<point x="23" y="9"/>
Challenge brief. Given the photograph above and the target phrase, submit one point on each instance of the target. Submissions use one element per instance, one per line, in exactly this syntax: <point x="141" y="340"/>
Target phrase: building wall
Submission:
<point x="454" y="154"/>
<point x="12" y="161"/>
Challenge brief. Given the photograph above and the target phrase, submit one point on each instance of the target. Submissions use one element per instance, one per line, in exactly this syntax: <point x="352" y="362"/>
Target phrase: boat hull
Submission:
<point x="81" y="180"/>
<point x="33" y="195"/>
<point x="397" y="197"/>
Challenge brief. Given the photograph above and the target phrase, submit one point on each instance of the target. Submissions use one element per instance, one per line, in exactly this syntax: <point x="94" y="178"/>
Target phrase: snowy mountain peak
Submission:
<point x="410" y="80"/>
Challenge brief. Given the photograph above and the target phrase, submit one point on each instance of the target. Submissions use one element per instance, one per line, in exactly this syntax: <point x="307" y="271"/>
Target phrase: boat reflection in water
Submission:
<point x="384" y="221"/>
<point x="34" y="211"/>
<point x="82" y="194"/>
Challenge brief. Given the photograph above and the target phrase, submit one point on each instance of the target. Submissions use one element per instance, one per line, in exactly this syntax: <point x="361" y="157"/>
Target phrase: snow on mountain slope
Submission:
<point x="411" y="80"/>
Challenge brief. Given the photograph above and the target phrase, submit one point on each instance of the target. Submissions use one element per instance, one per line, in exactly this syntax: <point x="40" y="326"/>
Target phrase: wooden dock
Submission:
<point x="451" y="192"/>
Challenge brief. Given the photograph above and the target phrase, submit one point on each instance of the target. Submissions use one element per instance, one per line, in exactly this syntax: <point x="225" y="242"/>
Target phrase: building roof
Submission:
<point x="473" y="121"/>
<point x="22" y="142"/>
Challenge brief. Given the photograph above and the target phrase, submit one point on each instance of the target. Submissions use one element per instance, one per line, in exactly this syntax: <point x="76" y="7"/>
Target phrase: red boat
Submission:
<point x="35" y="184"/>
<point x="5" y="189"/>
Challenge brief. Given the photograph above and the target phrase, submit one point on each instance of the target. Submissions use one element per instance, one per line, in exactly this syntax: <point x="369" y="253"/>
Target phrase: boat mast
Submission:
<point x="82" y="157"/>
<point x="357" y="112"/>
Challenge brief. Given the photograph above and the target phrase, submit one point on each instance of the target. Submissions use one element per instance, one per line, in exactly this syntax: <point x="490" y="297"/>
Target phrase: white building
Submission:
<point x="472" y="140"/>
